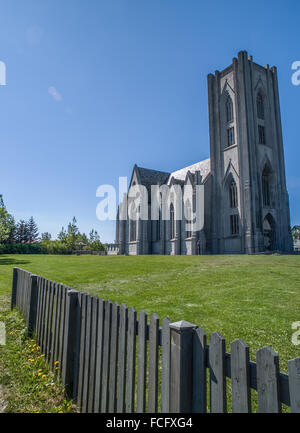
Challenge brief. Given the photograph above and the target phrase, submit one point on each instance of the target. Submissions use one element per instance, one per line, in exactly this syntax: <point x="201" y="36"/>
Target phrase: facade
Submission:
<point x="246" y="204"/>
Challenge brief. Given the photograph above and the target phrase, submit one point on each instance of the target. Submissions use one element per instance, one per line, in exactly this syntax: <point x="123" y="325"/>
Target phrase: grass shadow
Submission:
<point x="11" y="261"/>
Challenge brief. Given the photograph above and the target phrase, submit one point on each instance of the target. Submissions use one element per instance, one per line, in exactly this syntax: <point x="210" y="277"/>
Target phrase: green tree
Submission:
<point x="22" y="235"/>
<point x="72" y="234"/>
<point x="32" y="230"/>
<point x="62" y="235"/>
<point x="6" y="222"/>
<point x="46" y="236"/>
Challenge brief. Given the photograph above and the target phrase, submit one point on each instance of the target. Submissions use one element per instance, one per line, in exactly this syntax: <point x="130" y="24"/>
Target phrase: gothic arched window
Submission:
<point x="172" y="222"/>
<point x="188" y="219"/>
<point x="260" y="107"/>
<point x="229" y="109"/>
<point x="266" y="186"/>
<point x="233" y="197"/>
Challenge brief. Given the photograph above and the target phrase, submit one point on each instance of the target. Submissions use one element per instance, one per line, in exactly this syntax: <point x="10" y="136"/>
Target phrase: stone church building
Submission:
<point x="246" y="204"/>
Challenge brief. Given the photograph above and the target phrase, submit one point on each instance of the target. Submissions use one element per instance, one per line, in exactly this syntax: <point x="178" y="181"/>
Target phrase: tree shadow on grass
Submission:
<point x="10" y="261"/>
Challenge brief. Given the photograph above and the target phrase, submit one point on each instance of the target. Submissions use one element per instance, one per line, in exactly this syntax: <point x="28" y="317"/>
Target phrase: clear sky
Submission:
<point x="95" y="86"/>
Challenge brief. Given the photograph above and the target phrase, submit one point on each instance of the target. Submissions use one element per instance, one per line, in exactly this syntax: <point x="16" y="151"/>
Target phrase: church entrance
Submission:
<point x="269" y="233"/>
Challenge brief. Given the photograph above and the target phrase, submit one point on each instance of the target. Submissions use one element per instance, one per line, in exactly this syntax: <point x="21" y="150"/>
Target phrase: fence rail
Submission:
<point x="113" y="359"/>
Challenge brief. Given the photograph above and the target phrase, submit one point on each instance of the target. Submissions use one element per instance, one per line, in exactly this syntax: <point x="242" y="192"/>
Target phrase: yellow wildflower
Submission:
<point x="44" y="376"/>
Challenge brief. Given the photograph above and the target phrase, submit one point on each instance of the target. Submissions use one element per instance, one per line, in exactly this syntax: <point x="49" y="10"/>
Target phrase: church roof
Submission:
<point x="202" y="166"/>
<point x="150" y="177"/>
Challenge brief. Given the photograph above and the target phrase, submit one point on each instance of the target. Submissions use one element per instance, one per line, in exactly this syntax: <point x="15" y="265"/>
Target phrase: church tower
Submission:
<point x="249" y="201"/>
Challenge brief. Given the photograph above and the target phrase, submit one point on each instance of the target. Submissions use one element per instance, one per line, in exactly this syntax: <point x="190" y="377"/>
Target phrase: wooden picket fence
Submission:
<point x="113" y="361"/>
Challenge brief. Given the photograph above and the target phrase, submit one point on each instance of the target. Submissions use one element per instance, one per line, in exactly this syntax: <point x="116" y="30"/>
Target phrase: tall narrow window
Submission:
<point x="229" y="110"/>
<point x="172" y="222"/>
<point x="261" y="135"/>
<point x="158" y="228"/>
<point x="234" y="224"/>
<point x="260" y="107"/>
<point x="188" y="219"/>
<point x="266" y="186"/>
<point x="233" y="198"/>
<point x="132" y="229"/>
<point x="230" y="137"/>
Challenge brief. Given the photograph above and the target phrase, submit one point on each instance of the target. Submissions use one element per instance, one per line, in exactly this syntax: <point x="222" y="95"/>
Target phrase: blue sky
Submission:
<point x="127" y="82"/>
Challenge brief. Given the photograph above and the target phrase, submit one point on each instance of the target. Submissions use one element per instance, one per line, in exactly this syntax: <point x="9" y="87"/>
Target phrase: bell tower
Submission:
<point x="250" y="204"/>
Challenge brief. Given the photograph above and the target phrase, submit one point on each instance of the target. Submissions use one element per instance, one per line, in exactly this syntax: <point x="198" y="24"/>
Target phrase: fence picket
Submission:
<point x="94" y="323"/>
<point x="87" y="356"/>
<point x="131" y="351"/>
<point x="122" y="356"/>
<point x="54" y="328"/>
<point x="106" y="356"/>
<point x="217" y="373"/>
<point x="99" y="356"/>
<point x="82" y="307"/>
<point x="142" y="363"/>
<point x="268" y="380"/>
<point x="294" y="383"/>
<point x="153" y="364"/>
<point x="199" y="371"/>
<point x="165" y="368"/>
<point x="240" y="377"/>
<point x="113" y="358"/>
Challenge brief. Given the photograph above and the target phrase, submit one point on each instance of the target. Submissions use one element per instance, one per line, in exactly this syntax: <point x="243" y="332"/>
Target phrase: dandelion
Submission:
<point x="57" y="368"/>
<point x="56" y="362"/>
<point x="40" y="370"/>
<point x="39" y="374"/>
<point x="38" y="348"/>
<point x="44" y="376"/>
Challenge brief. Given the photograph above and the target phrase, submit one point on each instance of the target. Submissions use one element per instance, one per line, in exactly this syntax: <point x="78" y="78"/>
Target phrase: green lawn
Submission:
<point x="255" y="298"/>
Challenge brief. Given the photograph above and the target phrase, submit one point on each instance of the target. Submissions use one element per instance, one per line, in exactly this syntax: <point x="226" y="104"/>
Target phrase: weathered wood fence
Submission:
<point x="113" y="361"/>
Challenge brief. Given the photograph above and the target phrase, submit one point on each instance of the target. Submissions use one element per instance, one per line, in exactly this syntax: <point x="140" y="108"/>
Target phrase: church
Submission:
<point x="246" y="203"/>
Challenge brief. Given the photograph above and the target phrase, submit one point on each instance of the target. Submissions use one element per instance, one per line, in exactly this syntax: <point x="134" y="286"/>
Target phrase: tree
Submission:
<point x="46" y="236"/>
<point x="62" y="235"/>
<point x="32" y="230"/>
<point x="6" y="222"/>
<point x="22" y="235"/>
<point x="72" y="234"/>
<point x="94" y="241"/>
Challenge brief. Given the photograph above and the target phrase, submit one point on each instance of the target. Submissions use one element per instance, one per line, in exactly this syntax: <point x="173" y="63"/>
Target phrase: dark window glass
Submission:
<point x="229" y="110"/>
<point x="188" y="219"/>
<point x="172" y="222"/>
<point x="233" y="198"/>
<point x="261" y="135"/>
<point x="266" y="187"/>
<point x="230" y="137"/>
<point x="260" y="107"/>
<point x="234" y="224"/>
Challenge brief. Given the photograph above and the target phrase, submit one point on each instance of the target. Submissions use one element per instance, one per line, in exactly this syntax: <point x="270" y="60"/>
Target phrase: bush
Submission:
<point x="20" y="249"/>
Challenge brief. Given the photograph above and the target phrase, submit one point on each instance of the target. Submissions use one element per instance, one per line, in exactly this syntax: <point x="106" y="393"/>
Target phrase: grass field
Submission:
<point x="255" y="298"/>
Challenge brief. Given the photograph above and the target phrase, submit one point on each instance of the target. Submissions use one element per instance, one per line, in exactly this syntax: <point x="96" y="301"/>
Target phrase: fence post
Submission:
<point x="14" y="288"/>
<point x="33" y="301"/>
<point x="71" y="345"/>
<point x="181" y="367"/>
